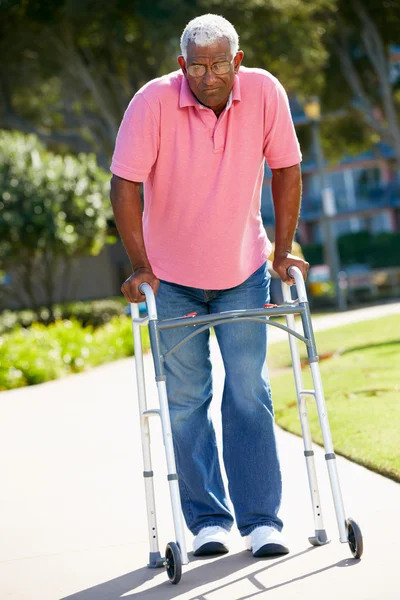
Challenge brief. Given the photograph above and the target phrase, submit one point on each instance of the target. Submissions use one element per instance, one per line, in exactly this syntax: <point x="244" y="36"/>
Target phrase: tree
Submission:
<point x="53" y="210"/>
<point x="286" y="37"/>
<point x="359" y="72"/>
<point x="70" y="67"/>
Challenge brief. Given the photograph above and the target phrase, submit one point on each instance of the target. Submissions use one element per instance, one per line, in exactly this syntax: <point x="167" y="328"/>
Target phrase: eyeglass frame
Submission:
<point x="206" y="67"/>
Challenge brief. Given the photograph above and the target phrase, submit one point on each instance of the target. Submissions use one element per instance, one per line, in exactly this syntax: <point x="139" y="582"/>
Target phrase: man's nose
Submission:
<point x="209" y="76"/>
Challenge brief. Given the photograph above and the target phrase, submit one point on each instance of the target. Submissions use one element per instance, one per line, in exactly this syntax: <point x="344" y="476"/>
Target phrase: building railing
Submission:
<point x="365" y="197"/>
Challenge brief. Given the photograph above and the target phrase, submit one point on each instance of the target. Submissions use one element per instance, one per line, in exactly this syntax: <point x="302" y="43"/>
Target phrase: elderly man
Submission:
<point x="198" y="138"/>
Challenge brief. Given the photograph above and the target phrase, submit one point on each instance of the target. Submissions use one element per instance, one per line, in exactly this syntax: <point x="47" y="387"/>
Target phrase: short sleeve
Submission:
<point x="281" y="147"/>
<point x="137" y="143"/>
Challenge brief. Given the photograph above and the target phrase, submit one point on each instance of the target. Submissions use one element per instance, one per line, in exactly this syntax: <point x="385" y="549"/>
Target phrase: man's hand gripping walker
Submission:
<point x="175" y="553"/>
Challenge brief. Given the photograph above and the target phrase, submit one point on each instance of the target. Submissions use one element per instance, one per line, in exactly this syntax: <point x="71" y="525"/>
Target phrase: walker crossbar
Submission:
<point x="235" y="319"/>
<point x="176" y="552"/>
<point x="231" y="315"/>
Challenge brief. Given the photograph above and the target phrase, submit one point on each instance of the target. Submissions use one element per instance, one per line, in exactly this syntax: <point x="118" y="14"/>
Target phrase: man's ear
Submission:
<point x="182" y="64"/>
<point x="238" y="60"/>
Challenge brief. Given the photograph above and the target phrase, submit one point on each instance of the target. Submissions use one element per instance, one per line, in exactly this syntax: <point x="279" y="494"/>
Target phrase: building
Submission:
<point x="366" y="191"/>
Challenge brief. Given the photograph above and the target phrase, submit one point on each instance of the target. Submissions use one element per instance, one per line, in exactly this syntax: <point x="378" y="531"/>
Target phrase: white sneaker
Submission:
<point x="211" y="540"/>
<point x="266" y="541"/>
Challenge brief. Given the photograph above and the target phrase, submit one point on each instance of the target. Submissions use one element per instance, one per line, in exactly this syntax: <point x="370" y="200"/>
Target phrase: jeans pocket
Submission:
<point x="260" y="279"/>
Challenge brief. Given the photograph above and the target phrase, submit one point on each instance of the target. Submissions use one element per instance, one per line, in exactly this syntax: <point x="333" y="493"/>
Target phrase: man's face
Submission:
<point x="211" y="88"/>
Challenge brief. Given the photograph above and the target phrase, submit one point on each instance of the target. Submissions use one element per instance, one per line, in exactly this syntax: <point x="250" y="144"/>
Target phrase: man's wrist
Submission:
<point x="141" y="268"/>
<point x="281" y="253"/>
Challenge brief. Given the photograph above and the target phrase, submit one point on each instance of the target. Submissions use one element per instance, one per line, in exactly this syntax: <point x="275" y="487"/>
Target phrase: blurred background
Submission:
<point x="69" y="69"/>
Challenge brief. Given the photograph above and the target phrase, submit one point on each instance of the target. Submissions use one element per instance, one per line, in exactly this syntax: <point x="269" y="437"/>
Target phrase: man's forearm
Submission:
<point x="127" y="208"/>
<point x="286" y="193"/>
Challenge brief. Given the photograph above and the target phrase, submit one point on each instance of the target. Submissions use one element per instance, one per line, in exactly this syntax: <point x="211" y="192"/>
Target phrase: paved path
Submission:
<point x="72" y="508"/>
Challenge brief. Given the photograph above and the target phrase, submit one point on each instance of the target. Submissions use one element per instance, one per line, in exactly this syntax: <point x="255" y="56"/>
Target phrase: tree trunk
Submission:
<point x="379" y="61"/>
<point x="49" y="264"/>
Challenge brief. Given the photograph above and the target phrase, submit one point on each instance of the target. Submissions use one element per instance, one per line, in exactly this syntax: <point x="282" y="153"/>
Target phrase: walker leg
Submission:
<point x="172" y="474"/>
<point x="324" y="423"/>
<point x="330" y="456"/>
<point x="168" y="443"/>
<point x="320" y="537"/>
<point x="155" y="559"/>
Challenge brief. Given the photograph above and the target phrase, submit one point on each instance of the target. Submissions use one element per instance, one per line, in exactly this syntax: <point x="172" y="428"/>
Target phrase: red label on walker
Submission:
<point x="270" y="305"/>
<point x="193" y="314"/>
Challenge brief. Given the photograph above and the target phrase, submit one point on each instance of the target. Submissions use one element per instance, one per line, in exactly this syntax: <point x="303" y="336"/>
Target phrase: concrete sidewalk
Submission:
<point x="72" y="507"/>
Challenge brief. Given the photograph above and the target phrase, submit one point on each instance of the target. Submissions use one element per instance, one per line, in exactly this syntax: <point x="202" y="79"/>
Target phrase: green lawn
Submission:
<point x="361" y="376"/>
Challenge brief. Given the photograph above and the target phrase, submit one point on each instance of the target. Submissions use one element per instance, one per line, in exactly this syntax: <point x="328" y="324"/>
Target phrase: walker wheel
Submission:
<point x="354" y="538"/>
<point x="173" y="562"/>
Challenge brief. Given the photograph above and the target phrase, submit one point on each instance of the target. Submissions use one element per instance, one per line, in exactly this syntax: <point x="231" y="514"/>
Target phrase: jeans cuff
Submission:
<point x="251" y="528"/>
<point x="226" y="526"/>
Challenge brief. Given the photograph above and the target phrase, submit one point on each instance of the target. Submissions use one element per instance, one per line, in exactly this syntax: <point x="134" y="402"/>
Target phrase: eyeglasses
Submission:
<point x="219" y="68"/>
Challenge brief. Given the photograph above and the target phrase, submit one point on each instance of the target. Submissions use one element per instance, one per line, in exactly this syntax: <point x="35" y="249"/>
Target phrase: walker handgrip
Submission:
<point x="299" y="280"/>
<point x="147" y="290"/>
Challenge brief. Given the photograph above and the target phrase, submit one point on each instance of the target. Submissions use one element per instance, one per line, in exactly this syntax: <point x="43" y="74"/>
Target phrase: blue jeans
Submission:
<point x="249" y="446"/>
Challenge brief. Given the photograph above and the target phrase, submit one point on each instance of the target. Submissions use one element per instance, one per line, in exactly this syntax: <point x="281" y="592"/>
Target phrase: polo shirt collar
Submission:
<point x="187" y="98"/>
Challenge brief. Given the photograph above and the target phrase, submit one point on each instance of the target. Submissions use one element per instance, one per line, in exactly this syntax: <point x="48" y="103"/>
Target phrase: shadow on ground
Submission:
<point x="208" y="573"/>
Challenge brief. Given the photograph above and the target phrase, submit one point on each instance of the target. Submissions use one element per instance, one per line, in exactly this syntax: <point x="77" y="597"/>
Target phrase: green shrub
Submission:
<point x="42" y="353"/>
<point x="73" y="342"/>
<point x="95" y="312"/>
<point x="89" y="312"/>
<point x="53" y="210"/>
<point x="313" y="253"/>
<point x="114" y="340"/>
<point x="379" y="251"/>
<point x="28" y="357"/>
<point x="386" y="250"/>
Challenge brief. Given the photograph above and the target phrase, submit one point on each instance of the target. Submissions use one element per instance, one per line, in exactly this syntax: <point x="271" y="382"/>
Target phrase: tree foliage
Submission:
<point x="70" y="67"/>
<point x="359" y="74"/>
<point x="285" y="37"/>
<point x="52" y="209"/>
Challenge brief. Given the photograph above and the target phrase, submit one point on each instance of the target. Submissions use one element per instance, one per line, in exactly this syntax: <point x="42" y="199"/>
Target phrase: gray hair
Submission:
<point x="207" y="29"/>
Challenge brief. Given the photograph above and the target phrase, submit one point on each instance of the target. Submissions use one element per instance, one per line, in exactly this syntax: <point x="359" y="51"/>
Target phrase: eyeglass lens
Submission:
<point x="220" y="68"/>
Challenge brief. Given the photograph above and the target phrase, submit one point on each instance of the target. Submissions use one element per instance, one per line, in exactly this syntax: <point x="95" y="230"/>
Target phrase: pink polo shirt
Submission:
<point x="202" y="175"/>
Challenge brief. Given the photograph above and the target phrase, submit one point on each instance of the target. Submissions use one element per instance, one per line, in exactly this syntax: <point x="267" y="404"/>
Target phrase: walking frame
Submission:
<point x="176" y="553"/>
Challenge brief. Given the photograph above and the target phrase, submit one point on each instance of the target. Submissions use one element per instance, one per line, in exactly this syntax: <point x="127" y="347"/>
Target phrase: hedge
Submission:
<point x="42" y="353"/>
<point x="90" y="312"/>
<point x="378" y="251"/>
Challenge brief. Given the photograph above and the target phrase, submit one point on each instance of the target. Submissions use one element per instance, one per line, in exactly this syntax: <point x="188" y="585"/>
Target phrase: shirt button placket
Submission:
<point x="219" y="133"/>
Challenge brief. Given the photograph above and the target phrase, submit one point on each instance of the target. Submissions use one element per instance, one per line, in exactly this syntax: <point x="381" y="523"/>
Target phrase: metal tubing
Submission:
<point x="331" y="464"/>
<point x="305" y="427"/>
<point x="289" y="311"/>
<point x="171" y="466"/>
<point x="310" y="464"/>
<point x="156" y="350"/>
<point x="321" y="407"/>
<point x="147" y="290"/>
<point x="230" y="315"/>
<point x="309" y="333"/>
<point x="300" y="284"/>
<point x="236" y="319"/>
<point x="145" y="433"/>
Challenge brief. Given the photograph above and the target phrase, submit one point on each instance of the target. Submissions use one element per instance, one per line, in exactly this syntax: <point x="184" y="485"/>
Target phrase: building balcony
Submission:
<point x="368" y="200"/>
<point x="365" y="198"/>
